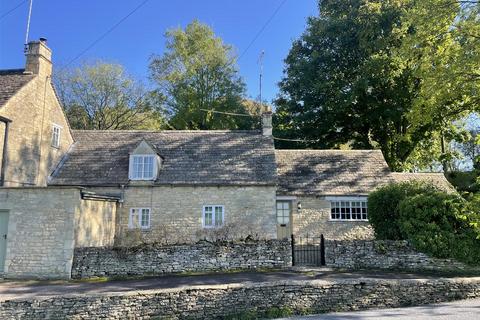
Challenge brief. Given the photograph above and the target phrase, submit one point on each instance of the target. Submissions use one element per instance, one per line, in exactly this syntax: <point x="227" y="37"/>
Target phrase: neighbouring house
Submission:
<point x="63" y="189"/>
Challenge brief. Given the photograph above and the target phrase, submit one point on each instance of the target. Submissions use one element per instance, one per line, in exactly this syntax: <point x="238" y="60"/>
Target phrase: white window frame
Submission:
<point x="138" y="225"/>
<point x="56" y="137"/>
<point x="213" y="226"/>
<point x="349" y="200"/>
<point x="290" y="208"/>
<point x="142" y="177"/>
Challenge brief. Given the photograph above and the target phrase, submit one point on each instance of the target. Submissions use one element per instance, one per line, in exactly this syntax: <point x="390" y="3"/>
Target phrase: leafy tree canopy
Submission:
<point x="198" y="72"/>
<point x="102" y="96"/>
<point x="374" y="74"/>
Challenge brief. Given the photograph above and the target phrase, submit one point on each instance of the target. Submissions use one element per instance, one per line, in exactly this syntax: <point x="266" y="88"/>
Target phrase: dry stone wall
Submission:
<point x="386" y="254"/>
<point x="199" y="257"/>
<point x="220" y="301"/>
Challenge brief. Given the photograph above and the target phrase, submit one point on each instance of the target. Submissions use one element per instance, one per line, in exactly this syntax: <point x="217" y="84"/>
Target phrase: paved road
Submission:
<point x="34" y="289"/>
<point x="458" y="310"/>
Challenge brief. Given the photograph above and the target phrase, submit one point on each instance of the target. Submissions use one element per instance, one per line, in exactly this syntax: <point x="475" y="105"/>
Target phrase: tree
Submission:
<point x="342" y="86"/>
<point x="101" y="96"/>
<point x="442" y="48"/>
<point x="372" y="74"/>
<point x="197" y="73"/>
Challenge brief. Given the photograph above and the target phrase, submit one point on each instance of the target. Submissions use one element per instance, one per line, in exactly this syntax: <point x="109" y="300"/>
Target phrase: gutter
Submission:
<point x="88" y="195"/>
<point x="4" y="151"/>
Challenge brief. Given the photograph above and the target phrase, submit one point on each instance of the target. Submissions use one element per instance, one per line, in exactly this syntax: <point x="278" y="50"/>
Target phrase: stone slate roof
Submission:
<point x="341" y="172"/>
<point x="437" y="179"/>
<point x="100" y="158"/>
<point x="11" y="81"/>
<point x="330" y="172"/>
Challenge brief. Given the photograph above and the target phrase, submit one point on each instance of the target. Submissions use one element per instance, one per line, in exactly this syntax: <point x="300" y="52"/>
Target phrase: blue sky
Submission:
<point x="70" y="26"/>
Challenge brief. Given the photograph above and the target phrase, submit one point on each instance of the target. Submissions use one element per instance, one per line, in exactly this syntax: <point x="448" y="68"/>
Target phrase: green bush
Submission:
<point x="442" y="225"/>
<point x="383" y="207"/>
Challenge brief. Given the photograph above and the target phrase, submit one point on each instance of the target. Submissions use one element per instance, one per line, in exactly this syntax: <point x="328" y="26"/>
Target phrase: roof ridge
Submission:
<point x="336" y="150"/>
<point x="18" y="71"/>
<point x="419" y="173"/>
<point x="169" y="131"/>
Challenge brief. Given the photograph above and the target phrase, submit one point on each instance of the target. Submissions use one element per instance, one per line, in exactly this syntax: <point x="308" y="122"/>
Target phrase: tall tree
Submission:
<point x="101" y="96"/>
<point x="341" y="85"/>
<point x="197" y="73"/>
<point x="442" y="48"/>
<point x="357" y="78"/>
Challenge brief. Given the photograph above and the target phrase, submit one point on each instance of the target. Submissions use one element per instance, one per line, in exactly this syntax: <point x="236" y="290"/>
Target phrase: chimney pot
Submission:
<point x="39" y="58"/>
<point x="267" y="123"/>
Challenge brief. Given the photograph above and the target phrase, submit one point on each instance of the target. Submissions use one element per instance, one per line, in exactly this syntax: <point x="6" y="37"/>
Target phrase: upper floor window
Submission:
<point x="213" y="216"/>
<point x="139" y="218"/>
<point x="56" y="130"/>
<point x="142" y="167"/>
<point x="349" y="209"/>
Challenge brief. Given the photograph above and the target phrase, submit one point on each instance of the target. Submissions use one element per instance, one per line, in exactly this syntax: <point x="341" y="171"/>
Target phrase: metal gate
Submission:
<point x="308" y="251"/>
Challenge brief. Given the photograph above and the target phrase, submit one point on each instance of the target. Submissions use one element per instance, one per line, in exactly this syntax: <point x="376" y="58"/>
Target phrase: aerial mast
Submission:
<point x="28" y="26"/>
<point x="260" y="61"/>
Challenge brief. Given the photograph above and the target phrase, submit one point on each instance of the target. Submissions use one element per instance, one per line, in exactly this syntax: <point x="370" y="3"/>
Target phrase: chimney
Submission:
<point x="39" y="58"/>
<point x="267" y="122"/>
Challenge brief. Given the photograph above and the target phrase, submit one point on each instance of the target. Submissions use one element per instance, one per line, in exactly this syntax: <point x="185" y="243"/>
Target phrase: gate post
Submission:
<point x="293" y="250"/>
<point x="322" y="250"/>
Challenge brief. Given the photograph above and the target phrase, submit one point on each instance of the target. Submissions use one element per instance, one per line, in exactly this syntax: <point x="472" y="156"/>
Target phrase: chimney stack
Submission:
<point x="267" y="122"/>
<point x="39" y="58"/>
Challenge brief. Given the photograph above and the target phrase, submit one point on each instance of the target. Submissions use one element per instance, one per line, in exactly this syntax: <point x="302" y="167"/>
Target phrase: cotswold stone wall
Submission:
<point x="176" y="212"/>
<point x="220" y="301"/>
<point x="199" y="257"/>
<point x="40" y="238"/>
<point x="386" y="254"/>
<point x="314" y="219"/>
<point x="33" y="111"/>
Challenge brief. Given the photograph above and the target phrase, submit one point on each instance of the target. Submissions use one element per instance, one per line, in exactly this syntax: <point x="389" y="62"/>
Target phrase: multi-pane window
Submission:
<point x="213" y="216"/>
<point x="355" y="209"/>
<point x="143" y="167"/>
<point x="56" y="136"/>
<point x="139" y="218"/>
<point x="283" y="212"/>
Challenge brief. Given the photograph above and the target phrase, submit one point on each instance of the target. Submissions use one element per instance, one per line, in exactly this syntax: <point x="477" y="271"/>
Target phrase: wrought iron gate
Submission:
<point x="308" y="251"/>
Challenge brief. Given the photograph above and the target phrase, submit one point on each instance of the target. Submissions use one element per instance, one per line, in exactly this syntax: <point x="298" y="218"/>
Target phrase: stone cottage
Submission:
<point x="62" y="189"/>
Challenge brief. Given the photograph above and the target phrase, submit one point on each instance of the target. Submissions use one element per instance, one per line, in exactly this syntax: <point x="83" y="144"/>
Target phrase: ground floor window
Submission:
<point x="139" y="218"/>
<point x="283" y="212"/>
<point x="349" y="209"/>
<point x="213" y="216"/>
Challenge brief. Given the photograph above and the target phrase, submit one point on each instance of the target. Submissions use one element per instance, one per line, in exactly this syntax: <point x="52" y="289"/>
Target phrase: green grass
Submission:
<point x="271" y="313"/>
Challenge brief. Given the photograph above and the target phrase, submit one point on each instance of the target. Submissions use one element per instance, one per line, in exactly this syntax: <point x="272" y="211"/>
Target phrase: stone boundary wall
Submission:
<point x="220" y="301"/>
<point x="199" y="257"/>
<point x="383" y="254"/>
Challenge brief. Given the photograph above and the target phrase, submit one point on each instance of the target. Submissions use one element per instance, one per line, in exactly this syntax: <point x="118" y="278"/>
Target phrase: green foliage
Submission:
<point x="102" y="96"/>
<point x="442" y="225"/>
<point x="390" y="74"/>
<point x="384" y="208"/>
<point x="198" y="71"/>
<point x="464" y="181"/>
<point x="271" y="313"/>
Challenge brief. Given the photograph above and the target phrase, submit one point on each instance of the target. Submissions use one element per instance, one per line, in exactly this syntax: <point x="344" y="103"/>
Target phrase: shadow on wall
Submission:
<point x="24" y="164"/>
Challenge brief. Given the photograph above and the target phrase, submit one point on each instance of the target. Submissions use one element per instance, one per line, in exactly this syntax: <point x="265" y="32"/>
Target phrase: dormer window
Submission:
<point x="143" y="167"/>
<point x="145" y="162"/>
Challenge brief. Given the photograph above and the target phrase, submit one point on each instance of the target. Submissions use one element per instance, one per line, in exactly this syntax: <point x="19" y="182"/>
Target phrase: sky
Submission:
<point x="71" y="26"/>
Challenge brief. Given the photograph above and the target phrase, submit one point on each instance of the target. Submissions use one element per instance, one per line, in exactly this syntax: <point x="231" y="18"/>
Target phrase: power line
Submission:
<point x="262" y="29"/>
<point x="106" y="33"/>
<point x="295" y="140"/>
<point x="13" y="9"/>
<point x="228" y="113"/>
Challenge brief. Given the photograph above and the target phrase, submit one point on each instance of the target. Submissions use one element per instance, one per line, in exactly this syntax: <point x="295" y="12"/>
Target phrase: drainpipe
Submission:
<point x="4" y="151"/>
